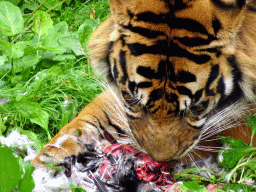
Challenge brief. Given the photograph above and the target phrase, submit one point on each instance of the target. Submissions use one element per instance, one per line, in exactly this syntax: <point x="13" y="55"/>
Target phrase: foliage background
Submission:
<point x="45" y="77"/>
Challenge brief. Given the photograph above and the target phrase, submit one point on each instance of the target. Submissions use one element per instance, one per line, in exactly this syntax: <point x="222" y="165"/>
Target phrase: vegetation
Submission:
<point x="45" y="80"/>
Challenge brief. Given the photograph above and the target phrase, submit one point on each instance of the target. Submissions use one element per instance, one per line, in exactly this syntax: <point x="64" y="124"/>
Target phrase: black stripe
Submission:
<point x="174" y="23"/>
<point x="165" y="70"/>
<point x="116" y="127"/>
<point x="197" y="41"/>
<point x="200" y="108"/>
<point x="131" y="116"/>
<point x="144" y="84"/>
<point x="196" y="127"/>
<point x="216" y="25"/>
<point x="155" y="95"/>
<point x="109" y="50"/>
<point x="179" y="5"/>
<point x="185" y="77"/>
<point x="213" y="75"/>
<point x="131" y="86"/>
<point x="184" y="91"/>
<point x="188" y="24"/>
<point x="122" y="61"/>
<point x="195" y="138"/>
<point x="198" y="95"/>
<point x="152" y="17"/>
<point x="221" y="87"/>
<point x="237" y="74"/>
<point x="144" y="32"/>
<point x="171" y="97"/>
<point x="251" y="8"/>
<point x="162" y="47"/>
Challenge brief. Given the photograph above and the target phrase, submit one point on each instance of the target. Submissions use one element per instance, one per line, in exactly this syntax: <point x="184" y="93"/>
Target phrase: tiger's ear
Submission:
<point x="120" y="10"/>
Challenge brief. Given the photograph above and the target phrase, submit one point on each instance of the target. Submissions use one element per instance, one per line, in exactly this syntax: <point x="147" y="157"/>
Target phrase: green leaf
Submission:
<point x="41" y="120"/>
<point x="193" y="186"/>
<point x="53" y="167"/>
<point x="11" y="21"/>
<point x="76" y="188"/>
<point x="12" y="50"/>
<point x="239" y="188"/>
<point x="61" y="28"/>
<point x="25" y="62"/>
<point x="5" y="68"/>
<point x="33" y="111"/>
<point x="10" y="173"/>
<point x="71" y="43"/>
<point x="27" y="184"/>
<point x="33" y="137"/>
<point x="42" y="22"/>
<point x="64" y="57"/>
<point x="16" y="79"/>
<point x="251" y="123"/>
<point x="49" y="39"/>
<point x="3" y="59"/>
<point x="85" y="30"/>
<point x="232" y="152"/>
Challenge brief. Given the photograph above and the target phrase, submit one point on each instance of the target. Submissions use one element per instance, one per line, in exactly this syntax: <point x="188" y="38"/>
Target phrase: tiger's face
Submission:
<point x="175" y="64"/>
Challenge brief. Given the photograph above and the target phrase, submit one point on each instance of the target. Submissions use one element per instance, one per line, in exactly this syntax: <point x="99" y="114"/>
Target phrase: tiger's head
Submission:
<point x="176" y="64"/>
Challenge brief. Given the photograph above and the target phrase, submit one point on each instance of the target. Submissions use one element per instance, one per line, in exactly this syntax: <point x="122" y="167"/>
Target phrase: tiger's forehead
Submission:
<point x="153" y="6"/>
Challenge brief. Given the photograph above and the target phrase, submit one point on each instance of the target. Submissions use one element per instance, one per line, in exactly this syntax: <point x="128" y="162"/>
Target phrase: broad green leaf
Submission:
<point x="33" y="137"/>
<point x="10" y="173"/>
<point x="25" y="62"/>
<point x="42" y="22"/>
<point x="85" y="30"/>
<point x="64" y="57"/>
<point x="11" y="21"/>
<point x="42" y="120"/>
<point x="16" y="79"/>
<point x="5" y="68"/>
<point x="49" y="39"/>
<point x="33" y="111"/>
<point x="57" y="50"/>
<point x="72" y="43"/>
<point x="27" y="184"/>
<point x="61" y="28"/>
<point x="193" y="186"/>
<point x="12" y="50"/>
<point x="3" y="59"/>
<point x="6" y="46"/>
<point x="233" y="151"/>
<point x="28" y="109"/>
<point x="251" y="123"/>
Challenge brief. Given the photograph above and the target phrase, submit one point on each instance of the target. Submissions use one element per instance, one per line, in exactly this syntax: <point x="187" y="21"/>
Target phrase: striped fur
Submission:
<point x="176" y="70"/>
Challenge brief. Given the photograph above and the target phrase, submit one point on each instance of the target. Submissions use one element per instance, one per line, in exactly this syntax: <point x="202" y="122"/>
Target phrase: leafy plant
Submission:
<point x="14" y="173"/>
<point x="44" y="74"/>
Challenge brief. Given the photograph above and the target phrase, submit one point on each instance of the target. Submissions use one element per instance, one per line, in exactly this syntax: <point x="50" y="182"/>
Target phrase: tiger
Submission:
<point x="175" y="73"/>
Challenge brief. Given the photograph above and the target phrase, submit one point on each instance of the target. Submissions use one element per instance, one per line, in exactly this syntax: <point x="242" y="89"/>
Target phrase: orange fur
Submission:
<point x="167" y="79"/>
